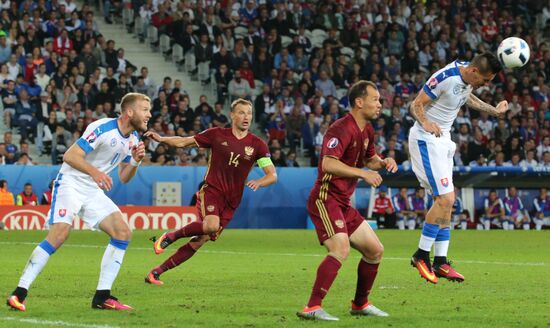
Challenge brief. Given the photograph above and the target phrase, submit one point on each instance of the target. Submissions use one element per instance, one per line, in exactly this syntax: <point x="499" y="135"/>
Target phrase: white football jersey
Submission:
<point x="448" y="92"/>
<point x="105" y="148"/>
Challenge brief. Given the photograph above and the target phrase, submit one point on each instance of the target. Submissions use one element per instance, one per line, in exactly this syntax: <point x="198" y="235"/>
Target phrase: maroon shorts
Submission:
<point x="212" y="202"/>
<point x="331" y="217"/>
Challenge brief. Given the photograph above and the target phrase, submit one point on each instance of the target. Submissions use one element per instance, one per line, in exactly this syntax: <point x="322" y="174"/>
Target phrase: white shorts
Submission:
<point x="432" y="161"/>
<point x="70" y="198"/>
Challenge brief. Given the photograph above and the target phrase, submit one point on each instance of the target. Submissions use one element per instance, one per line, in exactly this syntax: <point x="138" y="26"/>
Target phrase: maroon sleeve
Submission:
<point x="263" y="150"/>
<point x="335" y="142"/>
<point x="206" y="137"/>
<point x="371" y="151"/>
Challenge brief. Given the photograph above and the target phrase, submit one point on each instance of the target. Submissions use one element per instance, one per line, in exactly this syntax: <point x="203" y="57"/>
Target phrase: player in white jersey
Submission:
<point x="431" y="150"/>
<point x="79" y="190"/>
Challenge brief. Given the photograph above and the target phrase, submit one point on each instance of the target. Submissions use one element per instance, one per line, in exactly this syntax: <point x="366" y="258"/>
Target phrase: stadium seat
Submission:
<point x="258" y="87"/>
<point x="164" y="44"/>
<point x="285" y="41"/>
<point x="153" y="36"/>
<point x="347" y="51"/>
<point x="127" y="16"/>
<point x="317" y="41"/>
<point x="241" y="31"/>
<point x="190" y="62"/>
<point x="319" y="33"/>
<point x="138" y="26"/>
<point x="204" y="71"/>
<point x="177" y="54"/>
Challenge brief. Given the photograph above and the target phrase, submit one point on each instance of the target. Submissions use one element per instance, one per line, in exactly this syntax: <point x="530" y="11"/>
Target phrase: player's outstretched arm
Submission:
<point x="479" y="105"/>
<point x="269" y="178"/>
<point x="419" y="113"/>
<point x="75" y="157"/>
<point x="126" y="171"/>
<point x="377" y="164"/>
<point x="179" y="142"/>
<point x="334" y="166"/>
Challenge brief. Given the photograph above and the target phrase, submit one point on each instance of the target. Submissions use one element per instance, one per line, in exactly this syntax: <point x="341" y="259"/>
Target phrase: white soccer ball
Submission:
<point x="513" y="52"/>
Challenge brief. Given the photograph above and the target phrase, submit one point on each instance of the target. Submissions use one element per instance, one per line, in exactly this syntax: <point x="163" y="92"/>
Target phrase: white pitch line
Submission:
<point x="535" y="264"/>
<point x="54" y="323"/>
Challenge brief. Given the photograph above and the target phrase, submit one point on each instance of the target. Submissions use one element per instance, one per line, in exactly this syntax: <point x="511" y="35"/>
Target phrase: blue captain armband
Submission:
<point x="264" y="161"/>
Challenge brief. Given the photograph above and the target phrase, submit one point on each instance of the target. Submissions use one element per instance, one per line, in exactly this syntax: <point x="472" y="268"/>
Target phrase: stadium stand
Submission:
<point x="276" y="52"/>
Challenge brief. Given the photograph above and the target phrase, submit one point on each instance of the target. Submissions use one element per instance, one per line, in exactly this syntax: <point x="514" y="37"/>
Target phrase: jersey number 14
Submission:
<point x="234" y="159"/>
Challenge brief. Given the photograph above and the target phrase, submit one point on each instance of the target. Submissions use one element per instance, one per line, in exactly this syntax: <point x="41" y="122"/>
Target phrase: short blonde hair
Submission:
<point x="240" y="101"/>
<point x="130" y="99"/>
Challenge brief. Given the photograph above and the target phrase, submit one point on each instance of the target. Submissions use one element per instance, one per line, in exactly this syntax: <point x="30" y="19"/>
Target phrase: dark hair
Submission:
<point x="3" y="183"/>
<point x="487" y="63"/>
<point x="358" y="90"/>
<point x="28" y="184"/>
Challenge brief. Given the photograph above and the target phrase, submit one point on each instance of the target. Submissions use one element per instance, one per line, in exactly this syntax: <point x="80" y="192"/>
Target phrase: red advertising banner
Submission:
<point x="137" y="217"/>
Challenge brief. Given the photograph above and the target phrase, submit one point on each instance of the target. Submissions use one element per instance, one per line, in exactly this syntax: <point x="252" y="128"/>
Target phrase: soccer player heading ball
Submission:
<point x="431" y="148"/>
<point x="233" y="154"/>
<point x="348" y="146"/>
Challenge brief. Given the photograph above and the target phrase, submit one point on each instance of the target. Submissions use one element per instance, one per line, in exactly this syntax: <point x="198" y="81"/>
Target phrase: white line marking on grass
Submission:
<point x="389" y="287"/>
<point x="54" y="323"/>
<point x="535" y="264"/>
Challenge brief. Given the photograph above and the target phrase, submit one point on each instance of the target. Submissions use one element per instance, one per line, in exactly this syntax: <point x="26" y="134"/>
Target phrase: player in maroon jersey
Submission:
<point x="348" y="146"/>
<point x="233" y="153"/>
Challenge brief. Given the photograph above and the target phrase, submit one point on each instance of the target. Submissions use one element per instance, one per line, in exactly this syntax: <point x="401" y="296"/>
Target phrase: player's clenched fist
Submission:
<point x="138" y="152"/>
<point x="103" y="180"/>
<point x="502" y="107"/>
<point x="372" y="178"/>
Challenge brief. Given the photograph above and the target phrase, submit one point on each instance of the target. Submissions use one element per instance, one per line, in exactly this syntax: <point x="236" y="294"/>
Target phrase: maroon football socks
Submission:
<point x="326" y="273"/>
<point x="190" y="230"/>
<point x="366" y="273"/>
<point x="183" y="254"/>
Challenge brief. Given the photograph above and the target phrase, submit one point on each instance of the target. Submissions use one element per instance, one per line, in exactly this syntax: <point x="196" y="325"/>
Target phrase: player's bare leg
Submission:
<point x="183" y="254"/>
<point x="210" y="224"/>
<point x="58" y="233"/>
<point x="120" y="234"/>
<point x="365" y="240"/>
<point x="338" y="247"/>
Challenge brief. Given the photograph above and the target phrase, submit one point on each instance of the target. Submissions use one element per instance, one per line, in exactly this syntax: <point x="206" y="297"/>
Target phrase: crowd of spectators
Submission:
<point x="293" y="59"/>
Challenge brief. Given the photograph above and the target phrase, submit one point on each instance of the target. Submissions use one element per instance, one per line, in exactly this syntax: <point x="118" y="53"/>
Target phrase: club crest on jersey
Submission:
<point x="332" y="143"/>
<point x="249" y="150"/>
<point x="130" y="145"/>
<point x="445" y="182"/>
<point x="432" y="83"/>
<point x="62" y="212"/>
<point x="366" y="144"/>
<point x="113" y="142"/>
<point x="210" y="208"/>
<point x="91" y="137"/>
<point x="339" y="223"/>
<point x="457" y="89"/>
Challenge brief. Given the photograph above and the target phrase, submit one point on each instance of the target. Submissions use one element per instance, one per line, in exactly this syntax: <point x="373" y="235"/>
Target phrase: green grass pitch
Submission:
<point x="260" y="278"/>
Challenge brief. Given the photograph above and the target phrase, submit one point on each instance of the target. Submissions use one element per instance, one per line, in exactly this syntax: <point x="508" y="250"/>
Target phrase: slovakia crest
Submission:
<point x="332" y="143"/>
<point x="113" y="142"/>
<point x="62" y="212"/>
<point x="445" y="182"/>
<point x="432" y="83"/>
<point x="91" y="137"/>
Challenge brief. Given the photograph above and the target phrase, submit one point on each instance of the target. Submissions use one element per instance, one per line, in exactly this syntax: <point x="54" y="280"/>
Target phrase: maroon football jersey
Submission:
<point x="346" y="142"/>
<point x="230" y="160"/>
